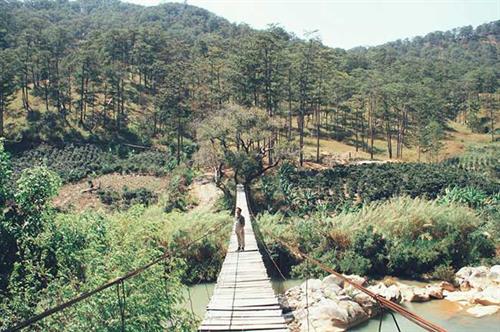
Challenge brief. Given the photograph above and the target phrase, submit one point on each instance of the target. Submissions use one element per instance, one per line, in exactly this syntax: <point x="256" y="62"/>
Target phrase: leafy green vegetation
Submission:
<point x="127" y="197"/>
<point x="98" y="87"/>
<point x="47" y="258"/>
<point x="74" y="162"/>
<point x="347" y="187"/>
<point x="112" y="71"/>
<point x="402" y="236"/>
<point x="483" y="158"/>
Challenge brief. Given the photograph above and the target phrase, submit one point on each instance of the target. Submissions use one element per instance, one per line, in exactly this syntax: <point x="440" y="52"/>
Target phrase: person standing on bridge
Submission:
<point x="240" y="229"/>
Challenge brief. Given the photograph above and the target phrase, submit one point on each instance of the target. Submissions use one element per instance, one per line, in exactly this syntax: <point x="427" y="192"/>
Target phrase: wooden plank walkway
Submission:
<point x="243" y="298"/>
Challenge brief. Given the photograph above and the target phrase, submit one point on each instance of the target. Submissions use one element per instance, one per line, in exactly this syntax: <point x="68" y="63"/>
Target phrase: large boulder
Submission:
<point x="489" y="296"/>
<point x="333" y="280"/>
<point x="329" y="315"/>
<point x="434" y="291"/>
<point x="361" y="281"/>
<point x="369" y="305"/>
<point x="480" y="310"/>
<point x="446" y="286"/>
<point x="473" y="278"/>
<point x="494" y="274"/>
<point x="391" y="293"/>
<point x="313" y="285"/>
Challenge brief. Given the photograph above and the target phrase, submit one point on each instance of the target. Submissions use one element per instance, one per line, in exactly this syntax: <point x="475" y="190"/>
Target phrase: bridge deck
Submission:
<point x="243" y="298"/>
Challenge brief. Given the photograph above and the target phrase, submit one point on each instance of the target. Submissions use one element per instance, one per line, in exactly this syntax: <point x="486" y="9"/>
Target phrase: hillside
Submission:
<point x="106" y="71"/>
<point x="126" y="132"/>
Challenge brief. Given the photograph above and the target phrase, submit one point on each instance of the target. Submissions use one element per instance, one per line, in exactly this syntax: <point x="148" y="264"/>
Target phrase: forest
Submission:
<point x="113" y="114"/>
<point x="146" y="74"/>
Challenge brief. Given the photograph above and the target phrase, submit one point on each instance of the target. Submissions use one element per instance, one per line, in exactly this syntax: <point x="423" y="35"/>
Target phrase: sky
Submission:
<point x="347" y="24"/>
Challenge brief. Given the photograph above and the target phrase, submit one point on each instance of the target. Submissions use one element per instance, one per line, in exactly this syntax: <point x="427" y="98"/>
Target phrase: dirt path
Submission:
<point x="206" y="193"/>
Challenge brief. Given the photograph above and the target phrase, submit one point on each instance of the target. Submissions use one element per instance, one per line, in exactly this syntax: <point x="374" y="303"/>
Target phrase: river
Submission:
<point x="442" y="312"/>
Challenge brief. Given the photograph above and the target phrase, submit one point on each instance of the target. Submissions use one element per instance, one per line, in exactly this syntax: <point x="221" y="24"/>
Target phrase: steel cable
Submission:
<point x="106" y="285"/>
<point x="383" y="301"/>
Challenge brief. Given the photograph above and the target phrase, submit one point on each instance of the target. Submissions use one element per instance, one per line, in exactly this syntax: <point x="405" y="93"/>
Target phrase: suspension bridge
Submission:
<point x="243" y="298"/>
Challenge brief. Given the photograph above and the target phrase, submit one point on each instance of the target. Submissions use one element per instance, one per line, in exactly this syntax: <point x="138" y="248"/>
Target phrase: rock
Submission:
<point x="461" y="297"/>
<point x="312" y="285"/>
<point x="472" y="272"/>
<point x="434" y="291"/>
<point x="407" y="294"/>
<point x="480" y="311"/>
<point x="473" y="277"/>
<point x="494" y="274"/>
<point x="369" y="305"/>
<point x="333" y="280"/>
<point x="330" y="315"/>
<point x="489" y="296"/>
<point x="332" y="291"/>
<point x="420" y="295"/>
<point x="391" y="293"/>
<point x="361" y="281"/>
<point x="446" y="286"/>
<point x="292" y="299"/>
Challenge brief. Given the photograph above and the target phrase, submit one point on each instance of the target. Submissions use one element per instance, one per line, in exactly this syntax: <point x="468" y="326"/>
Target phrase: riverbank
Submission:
<point x="450" y="312"/>
<point x="334" y="305"/>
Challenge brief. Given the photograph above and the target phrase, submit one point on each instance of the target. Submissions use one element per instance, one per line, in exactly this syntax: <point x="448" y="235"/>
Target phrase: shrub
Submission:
<point x="340" y="188"/>
<point x="444" y="272"/>
<point x="74" y="162"/>
<point x="402" y="236"/>
<point x="127" y="197"/>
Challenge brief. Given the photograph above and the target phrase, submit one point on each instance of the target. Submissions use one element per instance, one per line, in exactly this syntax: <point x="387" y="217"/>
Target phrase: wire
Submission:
<point x="266" y="249"/>
<point x="383" y="301"/>
<point x="106" y="285"/>
<point x="307" y="295"/>
<point x="121" y="303"/>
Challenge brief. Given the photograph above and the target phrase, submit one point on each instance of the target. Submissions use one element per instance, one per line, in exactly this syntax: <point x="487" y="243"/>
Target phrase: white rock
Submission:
<point x="333" y="279"/>
<point x="330" y="315"/>
<point x="469" y="272"/>
<point x="391" y="293"/>
<point x="369" y="305"/>
<point x="446" y="286"/>
<point x="312" y="285"/>
<point x="494" y="274"/>
<point x="434" y="291"/>
<point x="356" y="279"/>
<point x="332" y="291"/>
<point x="461" y="297"/>
<point x="489" y="296"/>
<point x="480" y="311"/>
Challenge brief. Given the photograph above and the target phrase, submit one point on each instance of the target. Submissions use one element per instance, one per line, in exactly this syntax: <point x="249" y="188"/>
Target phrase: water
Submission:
<point x="442" y="312"/>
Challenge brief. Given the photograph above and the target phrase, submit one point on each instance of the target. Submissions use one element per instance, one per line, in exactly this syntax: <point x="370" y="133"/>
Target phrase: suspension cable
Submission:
<point x="382" y="300"/>
<point x="108" y="284"/>
<point x="307" y="295"/>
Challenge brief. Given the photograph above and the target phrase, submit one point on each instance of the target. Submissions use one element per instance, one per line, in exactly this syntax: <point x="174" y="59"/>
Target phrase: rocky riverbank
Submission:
<point x="332" y="305"/>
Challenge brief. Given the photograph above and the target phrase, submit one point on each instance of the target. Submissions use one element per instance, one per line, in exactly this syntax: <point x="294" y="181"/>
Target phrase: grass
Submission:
<point x="401" y="237"/>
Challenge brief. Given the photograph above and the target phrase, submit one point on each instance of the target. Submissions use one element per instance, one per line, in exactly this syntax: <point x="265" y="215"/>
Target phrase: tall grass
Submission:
<point x="403" y="236"/>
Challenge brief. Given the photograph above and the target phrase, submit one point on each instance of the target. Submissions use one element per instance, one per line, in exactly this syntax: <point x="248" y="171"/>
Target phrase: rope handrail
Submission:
<point x="380" y="299"/>
<point x="106" y="285"/>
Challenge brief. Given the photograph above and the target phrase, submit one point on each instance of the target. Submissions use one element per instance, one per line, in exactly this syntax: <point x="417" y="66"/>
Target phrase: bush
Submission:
<point x="127" y="197"/>
<point x="343" y="187"/>
<point x="443" y="272"/>
<point x="404" y="236"/>
<point x="74" y="162"/>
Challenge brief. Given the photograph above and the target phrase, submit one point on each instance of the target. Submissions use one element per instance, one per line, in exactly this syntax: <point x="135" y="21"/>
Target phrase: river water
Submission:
<point x="442" y="312"/>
